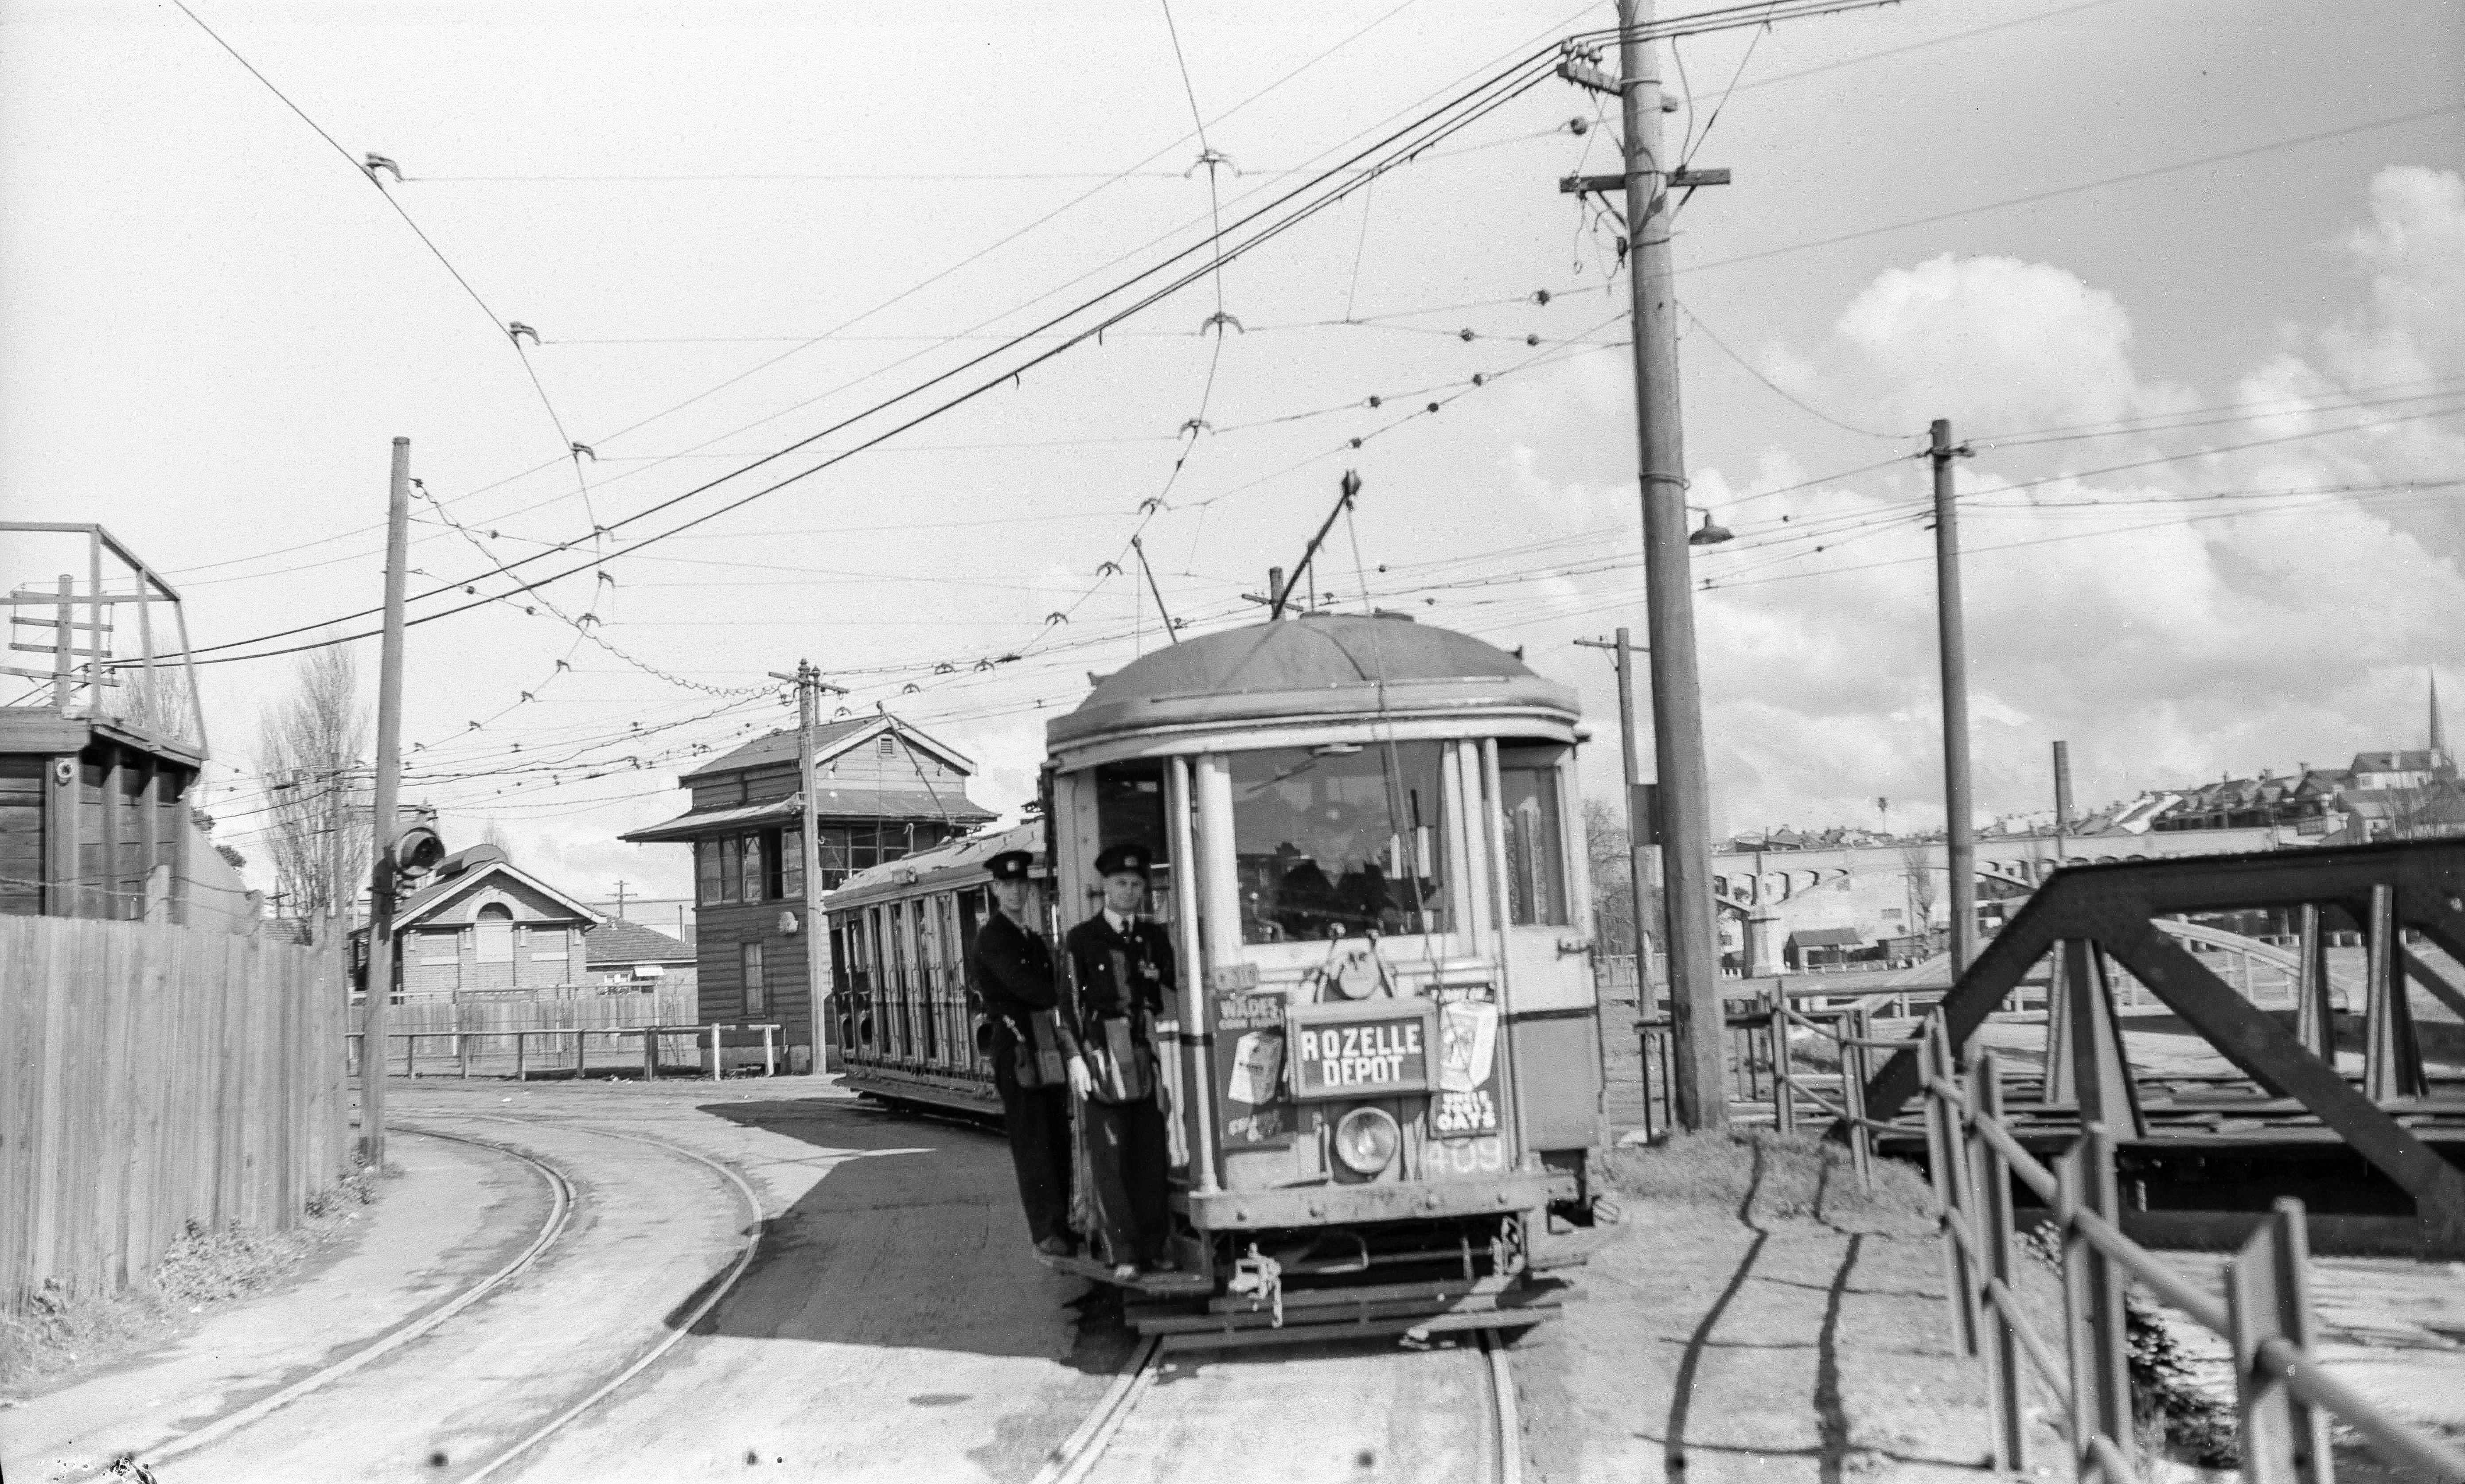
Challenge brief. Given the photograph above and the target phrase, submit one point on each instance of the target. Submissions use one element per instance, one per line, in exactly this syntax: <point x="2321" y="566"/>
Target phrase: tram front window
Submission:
<point x="1340" y="840"/>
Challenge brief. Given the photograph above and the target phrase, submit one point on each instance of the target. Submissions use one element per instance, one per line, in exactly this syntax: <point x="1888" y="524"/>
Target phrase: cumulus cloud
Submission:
<point x="2169" y="635"/>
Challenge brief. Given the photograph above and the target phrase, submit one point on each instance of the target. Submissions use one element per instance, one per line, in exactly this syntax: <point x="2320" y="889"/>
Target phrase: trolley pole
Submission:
<point x="1960" y="845"/>
<point x="1685" y="792"/>
<point x="1638" y="810"/>
<point x="817" y="949"/>
<point x="388" y="785"/>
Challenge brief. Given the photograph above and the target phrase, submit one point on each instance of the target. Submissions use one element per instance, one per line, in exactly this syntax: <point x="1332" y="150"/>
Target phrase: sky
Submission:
<point x="2189" y="280"/>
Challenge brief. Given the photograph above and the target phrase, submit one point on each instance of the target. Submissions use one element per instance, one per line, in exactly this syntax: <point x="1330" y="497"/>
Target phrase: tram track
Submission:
<point x="1233" y="1420"/>
<point x="565" y="1199"/>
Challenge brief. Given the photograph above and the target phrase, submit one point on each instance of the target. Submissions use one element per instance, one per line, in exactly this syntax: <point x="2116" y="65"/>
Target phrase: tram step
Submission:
<point x="1327" y="1314"/>
<point x="1161" y="1285"/>
<point x="1222" y="1338"/>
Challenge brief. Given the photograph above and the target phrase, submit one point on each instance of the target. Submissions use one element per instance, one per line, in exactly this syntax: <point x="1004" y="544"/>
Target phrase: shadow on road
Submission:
<point x="911" y="1239"/>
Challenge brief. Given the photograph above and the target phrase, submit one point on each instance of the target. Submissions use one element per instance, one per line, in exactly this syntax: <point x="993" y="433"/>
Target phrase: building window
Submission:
<point x="757" y="993"/>
<point x="791" y="865"/>
<point x="751" y="846"/>
<point x="887" y="747"/>
<point x="548" y="942"/>
<point x="731" y="870"/>
<point x="774" y="865"/>
<point x="496" y="928"/>
<point x="445" y="947"/>
<point x="706" y="853"/>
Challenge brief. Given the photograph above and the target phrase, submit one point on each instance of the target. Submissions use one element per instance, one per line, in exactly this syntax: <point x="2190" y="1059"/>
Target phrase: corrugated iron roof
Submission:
<point x="836" y="806"/>
<point x="617" y="942"/>
<point x="1826" y="938"/>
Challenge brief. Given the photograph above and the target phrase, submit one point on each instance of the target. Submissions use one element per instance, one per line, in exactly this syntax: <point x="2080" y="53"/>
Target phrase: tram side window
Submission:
<point x="1129" y="810"/>
<point x="1340" y="840"/>
<point x="1536" y="846"/>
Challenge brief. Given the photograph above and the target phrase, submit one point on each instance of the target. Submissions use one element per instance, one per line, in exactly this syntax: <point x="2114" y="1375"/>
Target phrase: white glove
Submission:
<point x="1083" y="1081"/>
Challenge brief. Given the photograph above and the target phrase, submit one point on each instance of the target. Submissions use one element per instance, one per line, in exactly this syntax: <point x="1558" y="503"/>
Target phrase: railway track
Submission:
<point x="1245" y="1419"/>
<point x="563" y="1201"/>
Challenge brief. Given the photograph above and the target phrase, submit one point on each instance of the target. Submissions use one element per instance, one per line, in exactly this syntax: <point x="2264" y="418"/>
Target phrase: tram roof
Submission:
<point x="929" y="868"/>
<point x="1318" y="666"/>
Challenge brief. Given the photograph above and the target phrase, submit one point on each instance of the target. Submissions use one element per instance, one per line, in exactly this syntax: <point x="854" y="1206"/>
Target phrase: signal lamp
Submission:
<point x="1366" y="1139"/>
<point x="416" y="851"/>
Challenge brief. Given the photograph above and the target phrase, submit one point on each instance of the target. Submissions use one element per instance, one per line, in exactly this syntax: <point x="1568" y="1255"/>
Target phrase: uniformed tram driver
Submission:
<point x="1123" y="973"/>
<point x="1013" y="966"/>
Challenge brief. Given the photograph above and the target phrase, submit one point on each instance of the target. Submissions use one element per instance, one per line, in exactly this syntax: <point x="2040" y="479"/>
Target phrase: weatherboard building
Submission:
<point x="887" y="790"/>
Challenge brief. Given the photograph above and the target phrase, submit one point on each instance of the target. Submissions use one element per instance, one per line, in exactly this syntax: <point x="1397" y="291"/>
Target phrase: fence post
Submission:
<point x="462" y="1053"/>
<point x="1784" y="1091"/>
<point x="1643" y="1069"/>
<point x="2093" y="1311"/>
<point x="714" y="1053"/>
<point x="1853" y="1099"/>
<point x="1945" y="1164"/>
<point x="581" y="1051"/>
<point x="769" y="1061"/>
<point x="521" y="1044"/>
<point x="1992" y="1176"/>
<point x="2284" y="1439"/>
<point x="411" y="1054"/>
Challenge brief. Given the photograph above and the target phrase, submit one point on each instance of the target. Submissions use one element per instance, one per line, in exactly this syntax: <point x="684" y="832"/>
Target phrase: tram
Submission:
<point x="1384" y="1072"/>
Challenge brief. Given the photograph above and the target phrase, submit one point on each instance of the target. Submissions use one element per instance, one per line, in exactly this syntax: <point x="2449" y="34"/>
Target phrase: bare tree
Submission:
<point x="1605" y="845"/>
<point x="308" y="753"/>
<point x="1918" y="863"/>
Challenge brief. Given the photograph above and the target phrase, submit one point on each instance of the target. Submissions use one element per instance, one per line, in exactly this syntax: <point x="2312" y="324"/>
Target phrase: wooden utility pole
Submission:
<point x="381" y="875"/>
<point x="1960" y="846"/>
<point x="2062" y="797"/>
<point x="809" y="686"/>
<point x="1685" y="790"/>
<point x="1640" y="811"/>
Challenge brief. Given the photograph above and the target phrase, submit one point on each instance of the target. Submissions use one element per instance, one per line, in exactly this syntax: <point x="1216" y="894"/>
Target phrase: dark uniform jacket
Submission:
<point x="1117" y="973"/>
<point x="1013" y="974"/>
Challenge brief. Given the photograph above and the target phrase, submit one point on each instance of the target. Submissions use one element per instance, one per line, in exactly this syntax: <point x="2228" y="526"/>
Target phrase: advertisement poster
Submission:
<point x="1249" y="1069"/>
<point x="1465" y="1104"/>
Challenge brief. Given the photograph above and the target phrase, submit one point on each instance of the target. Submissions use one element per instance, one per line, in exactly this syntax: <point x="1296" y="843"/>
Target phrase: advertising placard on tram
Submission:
<point x="1466" y="1103"/>
<point x="1365" y="1049"/>
<point x="1249" y="1067"/>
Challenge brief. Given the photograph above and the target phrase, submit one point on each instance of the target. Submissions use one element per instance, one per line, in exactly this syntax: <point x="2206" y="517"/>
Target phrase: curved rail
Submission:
<point x="560" y="1211"/>
<point x="668" y="1342"/>
<point x="1076" y="1457"/>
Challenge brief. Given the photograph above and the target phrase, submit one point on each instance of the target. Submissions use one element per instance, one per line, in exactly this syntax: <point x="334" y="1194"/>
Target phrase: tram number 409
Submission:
<point x="1486" y="1156"/>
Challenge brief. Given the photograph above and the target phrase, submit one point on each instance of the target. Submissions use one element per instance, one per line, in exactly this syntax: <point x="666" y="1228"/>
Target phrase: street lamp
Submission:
<point x="1707" y="534"/>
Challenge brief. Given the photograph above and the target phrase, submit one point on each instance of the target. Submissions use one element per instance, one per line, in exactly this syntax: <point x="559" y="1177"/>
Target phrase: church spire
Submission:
<point x="2438" y="733"/>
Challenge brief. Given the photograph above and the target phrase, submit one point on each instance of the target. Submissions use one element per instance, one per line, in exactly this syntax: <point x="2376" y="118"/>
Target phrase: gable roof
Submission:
<point x="836" y="806"/>
<point x="441" y="890"/>
<point x="620" y="942"/>
<point x="829" y="740"/>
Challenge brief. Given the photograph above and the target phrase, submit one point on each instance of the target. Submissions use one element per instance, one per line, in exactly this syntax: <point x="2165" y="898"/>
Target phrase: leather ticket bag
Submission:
<point x="1119" y="1063"/>
<point x="1039" y="1054"/>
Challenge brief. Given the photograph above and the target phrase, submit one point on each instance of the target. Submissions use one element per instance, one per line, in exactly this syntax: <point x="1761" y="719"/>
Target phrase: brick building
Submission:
<point x="484" y="928"/>
<point x="887" y="790"/>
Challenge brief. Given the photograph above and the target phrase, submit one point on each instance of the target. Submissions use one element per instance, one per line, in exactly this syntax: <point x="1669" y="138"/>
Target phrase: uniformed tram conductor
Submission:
<point x="1122" y="974"/>
<point x="1012" y="968"/>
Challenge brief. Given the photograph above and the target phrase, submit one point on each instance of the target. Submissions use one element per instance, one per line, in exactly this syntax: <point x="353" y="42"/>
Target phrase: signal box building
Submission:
<point x="887" y="790"/>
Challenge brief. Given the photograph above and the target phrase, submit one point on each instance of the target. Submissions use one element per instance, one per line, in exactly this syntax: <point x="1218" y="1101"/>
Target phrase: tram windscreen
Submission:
<point x="1339" y="841"/>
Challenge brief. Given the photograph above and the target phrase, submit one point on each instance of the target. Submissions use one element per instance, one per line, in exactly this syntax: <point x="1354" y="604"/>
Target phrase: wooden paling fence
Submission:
<point x="155" y="1076"/>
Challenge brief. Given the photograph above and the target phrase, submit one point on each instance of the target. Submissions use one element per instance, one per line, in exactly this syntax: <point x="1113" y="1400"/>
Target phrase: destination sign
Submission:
<point x="1362" y="1050"/>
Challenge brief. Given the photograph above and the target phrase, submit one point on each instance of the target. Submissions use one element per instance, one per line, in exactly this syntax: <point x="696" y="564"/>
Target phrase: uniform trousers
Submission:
<point x="1038" y="1122"/>
<point x="1126" y="1157"/>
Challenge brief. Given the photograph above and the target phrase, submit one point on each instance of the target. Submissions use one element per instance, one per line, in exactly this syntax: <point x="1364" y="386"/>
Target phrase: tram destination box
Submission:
<point x="1361" y="1048"/>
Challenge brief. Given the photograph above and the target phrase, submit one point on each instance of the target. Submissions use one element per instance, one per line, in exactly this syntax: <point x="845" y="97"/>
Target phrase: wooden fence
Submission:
<point x="157" y="1076"/>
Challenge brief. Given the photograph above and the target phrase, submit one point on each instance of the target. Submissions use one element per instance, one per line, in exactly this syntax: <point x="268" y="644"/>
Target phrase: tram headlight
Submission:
<point x="1367" y="1139"/>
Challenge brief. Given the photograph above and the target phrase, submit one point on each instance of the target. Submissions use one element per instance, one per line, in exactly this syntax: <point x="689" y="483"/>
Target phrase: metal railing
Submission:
<point x="460" y="1052"/>
<point x="2283" y="1396"/>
